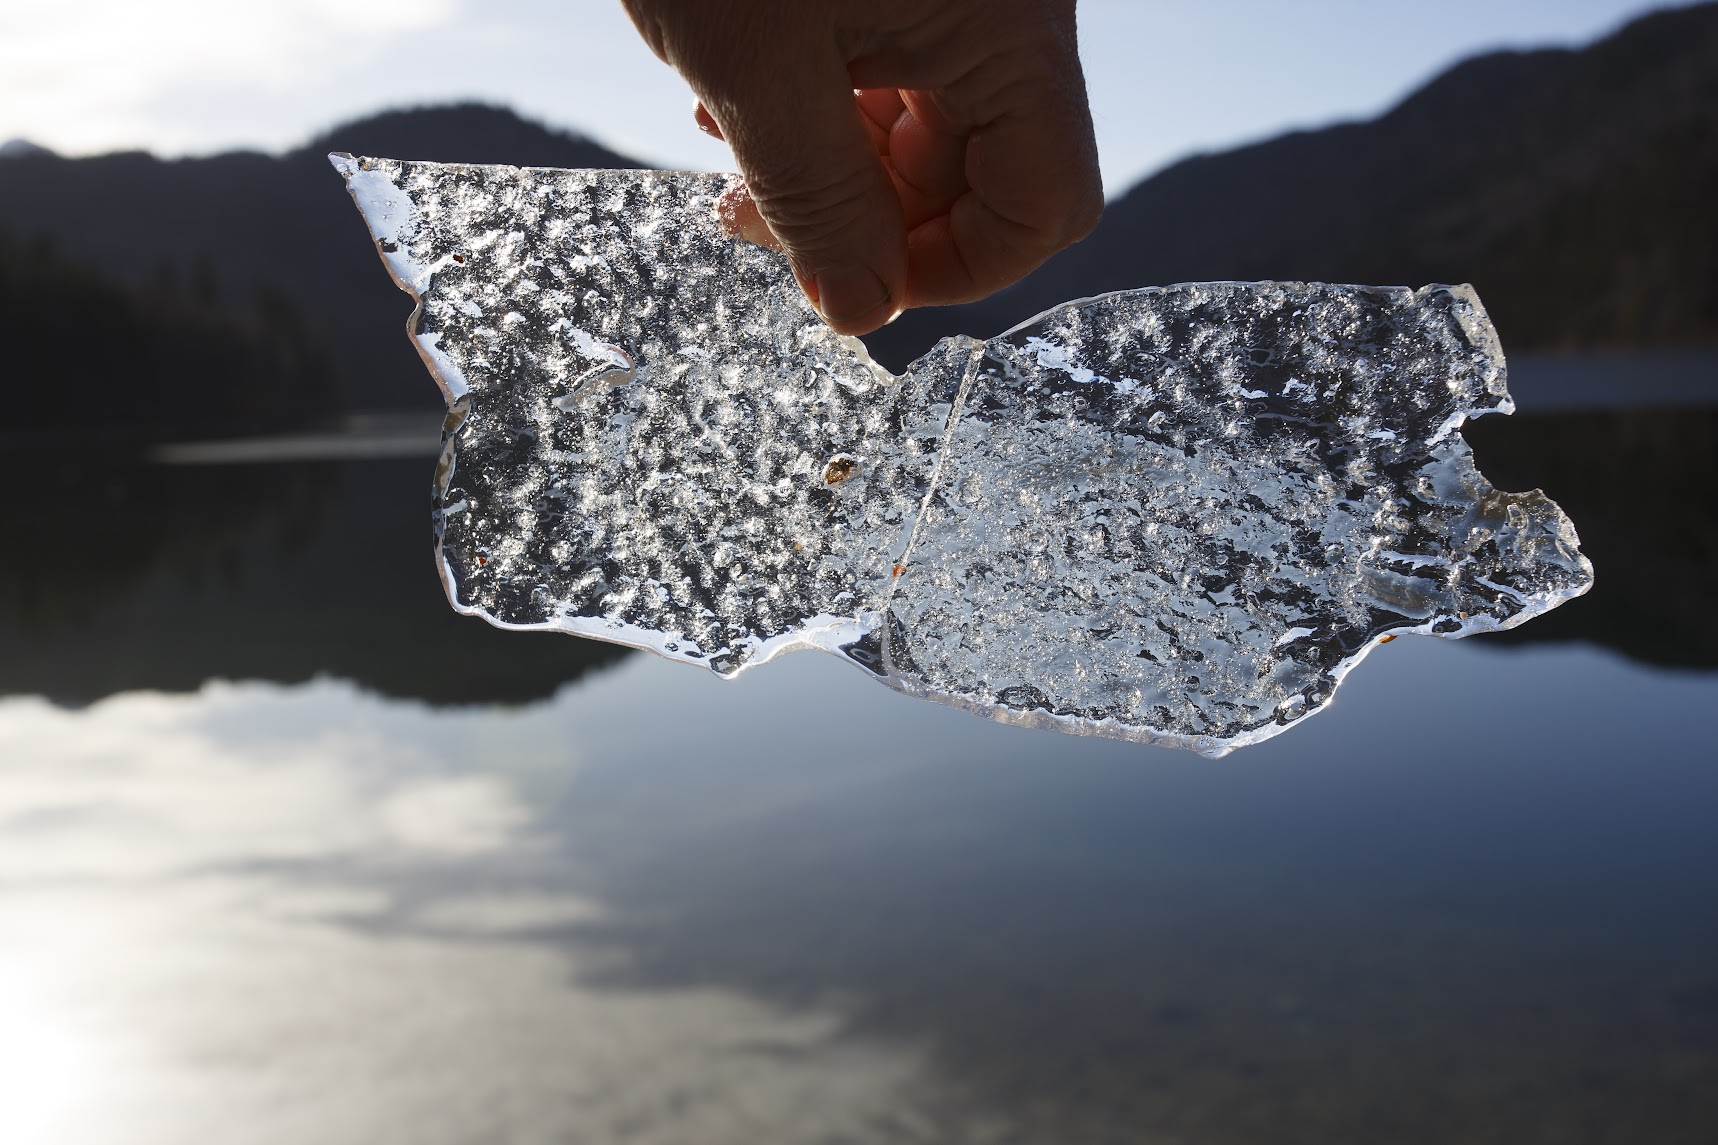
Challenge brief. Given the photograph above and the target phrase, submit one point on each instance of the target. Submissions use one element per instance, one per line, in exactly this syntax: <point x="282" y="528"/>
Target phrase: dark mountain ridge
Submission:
<point x="240" y="292"/>
<point x="246" y="224"/>
<point x="1574" y="188"/>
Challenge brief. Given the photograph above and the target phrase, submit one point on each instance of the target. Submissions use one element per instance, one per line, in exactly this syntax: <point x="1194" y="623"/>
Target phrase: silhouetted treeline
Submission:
<point x="85" y="352"/>
<point x="1574" y="188"/>
<point x="250" y="226"/>
<point x="241" y="293"/>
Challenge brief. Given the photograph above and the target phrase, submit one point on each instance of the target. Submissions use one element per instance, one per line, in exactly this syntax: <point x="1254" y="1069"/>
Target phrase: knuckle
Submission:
<point x="650" y="27"/>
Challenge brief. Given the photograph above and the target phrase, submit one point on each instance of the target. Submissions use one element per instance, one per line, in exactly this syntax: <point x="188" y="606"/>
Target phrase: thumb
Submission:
<point x="799" y="138"/>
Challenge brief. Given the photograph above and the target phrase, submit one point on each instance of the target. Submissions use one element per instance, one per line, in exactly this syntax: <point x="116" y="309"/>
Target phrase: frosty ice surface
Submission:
<point x="1176" y="515"/>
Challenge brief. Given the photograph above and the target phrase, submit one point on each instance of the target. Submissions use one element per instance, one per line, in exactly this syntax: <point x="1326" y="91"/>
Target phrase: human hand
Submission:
<point x="900" y="152"/>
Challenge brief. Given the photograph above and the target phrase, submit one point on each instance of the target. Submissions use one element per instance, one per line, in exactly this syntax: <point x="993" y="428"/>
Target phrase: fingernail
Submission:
<point x="849" y="293"/>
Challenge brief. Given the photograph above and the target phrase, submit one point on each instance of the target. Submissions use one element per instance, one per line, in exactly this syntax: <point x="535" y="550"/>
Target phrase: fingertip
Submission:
<point x="853" y="299"/>
<point x="848" y="249"/>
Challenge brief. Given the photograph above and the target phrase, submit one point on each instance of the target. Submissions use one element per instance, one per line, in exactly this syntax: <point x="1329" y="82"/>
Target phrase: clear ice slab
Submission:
<point x="1173" y="515"/>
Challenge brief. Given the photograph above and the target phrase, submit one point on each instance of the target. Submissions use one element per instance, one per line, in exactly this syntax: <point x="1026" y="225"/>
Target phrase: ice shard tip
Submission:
<point x="1173" y="515"/>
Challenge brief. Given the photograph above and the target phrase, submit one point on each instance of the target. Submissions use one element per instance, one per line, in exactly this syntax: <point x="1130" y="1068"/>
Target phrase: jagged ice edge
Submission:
<point x="388" y="212"/>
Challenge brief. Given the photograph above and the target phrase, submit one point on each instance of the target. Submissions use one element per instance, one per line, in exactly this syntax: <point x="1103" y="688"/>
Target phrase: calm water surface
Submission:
<point x="289" y="854"/>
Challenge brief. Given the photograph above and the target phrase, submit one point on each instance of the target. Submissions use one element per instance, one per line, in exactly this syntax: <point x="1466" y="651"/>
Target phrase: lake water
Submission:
<point x="290" y="854"/>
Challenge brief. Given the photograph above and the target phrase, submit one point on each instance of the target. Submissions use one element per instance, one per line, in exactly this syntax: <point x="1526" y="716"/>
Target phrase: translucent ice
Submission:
<point x="1176" y="516"/>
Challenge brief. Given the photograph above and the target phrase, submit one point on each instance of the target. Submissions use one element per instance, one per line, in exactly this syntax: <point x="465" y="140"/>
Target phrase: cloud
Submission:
<point x="82" y="73"/>
<point x="472" y="815"/>
<point x="146" y="786"/>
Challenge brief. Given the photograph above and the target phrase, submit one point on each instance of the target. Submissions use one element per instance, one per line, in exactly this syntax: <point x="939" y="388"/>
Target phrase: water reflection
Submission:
<point x="303" y="915"/>
<point x="136" y="575"/>
<point x="1642" y="488"/>
<point x="1466" y="904"/>
<point x="417" y="888"/>
<point x="161" y="577"/>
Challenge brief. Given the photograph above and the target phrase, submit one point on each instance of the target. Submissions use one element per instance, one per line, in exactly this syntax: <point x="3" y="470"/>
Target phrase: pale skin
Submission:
<point x="899" y="152"/>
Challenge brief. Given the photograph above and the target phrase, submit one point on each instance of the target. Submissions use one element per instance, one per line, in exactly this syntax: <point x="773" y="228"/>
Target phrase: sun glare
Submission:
<point x="43" y="1066"/>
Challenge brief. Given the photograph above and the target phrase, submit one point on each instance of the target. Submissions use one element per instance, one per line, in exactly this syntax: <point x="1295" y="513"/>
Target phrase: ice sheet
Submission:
<point x="1175" y="516"/>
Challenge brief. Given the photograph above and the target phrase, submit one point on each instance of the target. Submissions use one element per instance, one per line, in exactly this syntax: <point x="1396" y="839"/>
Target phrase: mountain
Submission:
<point x="1575" y="189"/>
<point x="247" y="226"/>
<point x="241" y="292"/>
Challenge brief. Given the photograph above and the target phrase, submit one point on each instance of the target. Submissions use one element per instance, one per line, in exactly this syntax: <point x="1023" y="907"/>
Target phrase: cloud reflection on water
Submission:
<point x="660" y="908"/>
<point x="265" y="914"/>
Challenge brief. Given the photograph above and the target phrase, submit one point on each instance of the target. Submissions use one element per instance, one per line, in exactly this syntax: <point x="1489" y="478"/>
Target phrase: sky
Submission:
<point x="1167" y="77"/>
